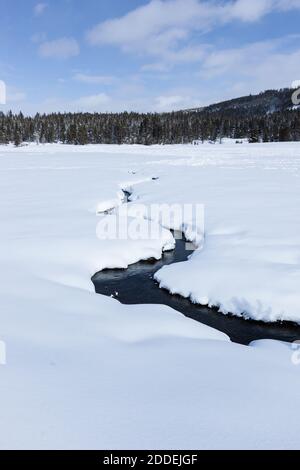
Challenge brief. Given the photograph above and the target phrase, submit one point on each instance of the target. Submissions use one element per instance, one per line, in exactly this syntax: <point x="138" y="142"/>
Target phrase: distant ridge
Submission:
<point x="269" y="101"/>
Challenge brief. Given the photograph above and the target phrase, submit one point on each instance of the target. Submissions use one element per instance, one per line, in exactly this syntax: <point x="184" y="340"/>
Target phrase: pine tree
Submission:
<point x="284" y="134"/>
<point x="17" y="137"/>
<point x="82" y="136"/>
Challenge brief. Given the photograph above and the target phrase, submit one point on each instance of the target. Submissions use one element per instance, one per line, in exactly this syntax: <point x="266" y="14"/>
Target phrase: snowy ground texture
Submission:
<point x="84" y="371"/>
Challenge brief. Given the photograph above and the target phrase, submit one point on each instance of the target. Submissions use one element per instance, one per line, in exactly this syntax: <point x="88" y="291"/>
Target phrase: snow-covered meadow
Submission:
<point x="84" y="371"/>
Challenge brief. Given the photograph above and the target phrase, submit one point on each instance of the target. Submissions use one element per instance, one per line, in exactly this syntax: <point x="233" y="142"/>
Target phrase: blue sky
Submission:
<point x="159" y="55"/>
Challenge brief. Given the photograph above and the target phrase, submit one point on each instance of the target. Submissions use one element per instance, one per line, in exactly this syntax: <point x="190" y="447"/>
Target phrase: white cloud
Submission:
<point x="167" y="20"/>
<point x="93" y="79"/>
<point x="40" y="8"/>
<point x="155" y="67"/>
<point x="94" y="103"/>
<point x="14" y="95"/>
<point x="184" y="55"/>
<point x="219" y="62"/>
<point x="257" y="67"/>
<point x="62" y="48"/>
<point x="169" y="103"/>
<point x="251" y="10"/>
<point x="163" y="28"/>
<point x="287" y="4"/>
<point x="244" y="59"/>
<point x="91" y="103"/>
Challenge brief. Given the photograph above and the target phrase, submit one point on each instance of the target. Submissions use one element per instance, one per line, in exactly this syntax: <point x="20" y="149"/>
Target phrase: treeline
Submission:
<point x="266" y="122"/>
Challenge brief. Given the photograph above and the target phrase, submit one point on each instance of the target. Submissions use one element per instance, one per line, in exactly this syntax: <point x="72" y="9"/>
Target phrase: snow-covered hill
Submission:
<point x="269" y="101"/>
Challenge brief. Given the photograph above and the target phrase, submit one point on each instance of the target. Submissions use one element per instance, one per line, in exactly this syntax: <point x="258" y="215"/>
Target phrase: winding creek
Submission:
<point x="136" y="285"/>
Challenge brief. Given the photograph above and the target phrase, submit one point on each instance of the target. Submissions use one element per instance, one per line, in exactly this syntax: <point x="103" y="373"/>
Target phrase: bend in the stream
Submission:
<point x="136" y="285"/>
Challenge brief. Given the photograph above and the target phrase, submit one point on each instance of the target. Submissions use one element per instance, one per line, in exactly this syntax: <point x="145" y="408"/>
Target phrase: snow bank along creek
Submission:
<point x="137" y="285"/>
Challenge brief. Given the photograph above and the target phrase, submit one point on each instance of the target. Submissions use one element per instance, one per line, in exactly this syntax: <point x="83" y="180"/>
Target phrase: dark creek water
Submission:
<point x="135" y="285"/>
